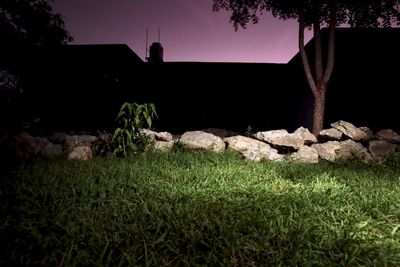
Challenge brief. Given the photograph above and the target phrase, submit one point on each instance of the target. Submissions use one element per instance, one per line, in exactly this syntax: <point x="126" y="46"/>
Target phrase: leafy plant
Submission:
<point x="131" y="119"/>
<point x="249" y="131"/>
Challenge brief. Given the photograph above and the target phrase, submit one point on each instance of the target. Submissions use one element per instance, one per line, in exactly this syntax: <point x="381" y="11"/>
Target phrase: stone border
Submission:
<point x="342" y="141"/>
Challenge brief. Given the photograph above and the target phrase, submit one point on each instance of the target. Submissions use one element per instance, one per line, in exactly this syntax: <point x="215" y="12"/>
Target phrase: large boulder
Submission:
<point x="352" y="149"/>
<point x="268" y="136"/>
<point x="251" y="149"/>
<point x="281" y="138"/>
<point x="331" y="134"/>
<point x="154" y="136"/>
<point x="335" y="150"/>
<point x="306" y="135"/>
<point x="350" y="130"/>
<point x="305" y="154"/>
<point x="163" y="145"/>
<point x="164" y="136"/>
<point x="388" y="135"/>
<point x="202" y="140"/>
<point x="327" y="151"/>
<point x="51" y="150"/>
<point x="368" y="131"/>
<point x="25" y="146"/>
<point x="81" y="153"/>
<point x="381" y="149"/>
<point x="73" y="141"/>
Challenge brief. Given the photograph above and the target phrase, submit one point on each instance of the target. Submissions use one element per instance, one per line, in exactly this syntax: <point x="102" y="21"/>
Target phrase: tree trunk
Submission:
<point x="319" y="83"/>
<point x="319" y="112"/>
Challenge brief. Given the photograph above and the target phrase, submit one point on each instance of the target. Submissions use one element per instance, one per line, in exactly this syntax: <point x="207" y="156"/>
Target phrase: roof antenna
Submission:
<point x="159" y="34"/>
<point x="147" y="44"/>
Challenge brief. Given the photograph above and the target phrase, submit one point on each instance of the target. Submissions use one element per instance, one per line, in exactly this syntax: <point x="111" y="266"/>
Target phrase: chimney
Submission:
<point x="156" y="53"/>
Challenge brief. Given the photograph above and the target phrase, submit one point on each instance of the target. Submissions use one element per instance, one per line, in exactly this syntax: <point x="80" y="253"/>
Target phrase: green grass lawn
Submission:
<point x="199" y="209"/>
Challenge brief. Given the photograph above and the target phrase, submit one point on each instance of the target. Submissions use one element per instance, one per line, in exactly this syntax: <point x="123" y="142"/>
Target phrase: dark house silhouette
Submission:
<point x="83" y="87"/>
<point x="79" y="86"/>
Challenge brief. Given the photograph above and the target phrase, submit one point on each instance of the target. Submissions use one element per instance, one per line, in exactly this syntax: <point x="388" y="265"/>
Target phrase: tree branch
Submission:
<point x="318" y="51"/>
<point x="331" y="44"/>
<point x="306" y="64"/>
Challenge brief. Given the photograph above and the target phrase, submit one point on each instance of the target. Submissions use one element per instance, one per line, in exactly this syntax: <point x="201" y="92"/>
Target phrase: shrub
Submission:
<point x="128" y="137"/>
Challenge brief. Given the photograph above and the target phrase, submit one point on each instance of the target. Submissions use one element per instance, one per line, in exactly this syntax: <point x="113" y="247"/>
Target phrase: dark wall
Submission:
<point x="222" y="95"/>
<point x="83" y="87"/>
<point x="80" y="87"/>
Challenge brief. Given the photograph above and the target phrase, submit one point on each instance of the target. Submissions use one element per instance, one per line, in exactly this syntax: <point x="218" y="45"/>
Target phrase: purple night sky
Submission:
<point x="190" y="31"/>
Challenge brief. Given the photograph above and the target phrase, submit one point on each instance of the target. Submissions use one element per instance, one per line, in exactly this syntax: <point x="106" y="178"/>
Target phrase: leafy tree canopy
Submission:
<point x="356" y="13"/>
<point x="23" y="23"/>
<point x="31" y="22"/>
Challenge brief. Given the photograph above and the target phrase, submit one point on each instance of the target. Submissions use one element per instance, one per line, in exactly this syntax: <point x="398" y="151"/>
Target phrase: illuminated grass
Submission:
<point x="197" y="208"/>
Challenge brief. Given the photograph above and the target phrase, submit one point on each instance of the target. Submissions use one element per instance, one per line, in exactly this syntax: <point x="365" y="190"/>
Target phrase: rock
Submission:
<point x="51" y="151"/>
<point x="164" y="136"/>
<point x="381" y="148"/>
<point x="334" y="150"/>
<point x="290" y="140"/>
<point x="305" y="154"/>
<point x="149" y="133"/>
<point x="79" y="140"/>
<point x="81" y="153"/>
<point x="268" y="136"/>
<point x="163" y="146"/>
<point x="350" y="130"/>
<point x="327" y="150"/>
<point x="352" y="149"/>
<point x="25" y="146"/>
<point x="368" y="131"/>
<point x="22" y="146"/>
<point x="306" y="135"/>
<point x="202" y="140"/>
<point x="281" y="138"/>
<point x="388" y="135"/>
<point x="251" y="149"/>
<point x="331" y="134"/>
<point x="154" y="136"/>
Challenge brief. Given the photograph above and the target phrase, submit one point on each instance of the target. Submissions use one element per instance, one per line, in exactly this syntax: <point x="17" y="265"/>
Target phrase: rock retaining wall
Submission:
<point x="342" y="141"/>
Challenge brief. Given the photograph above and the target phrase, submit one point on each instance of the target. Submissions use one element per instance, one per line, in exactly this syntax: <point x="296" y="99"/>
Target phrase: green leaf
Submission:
<point x="116" y="133"/>
<point x="153" y="109"/>
<point x="148" y="119"/>
<point x="129" y="136"/>
<point x="129" y="107"/>
<point x="133" y="147"/>
<point x="121" y="114"/>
